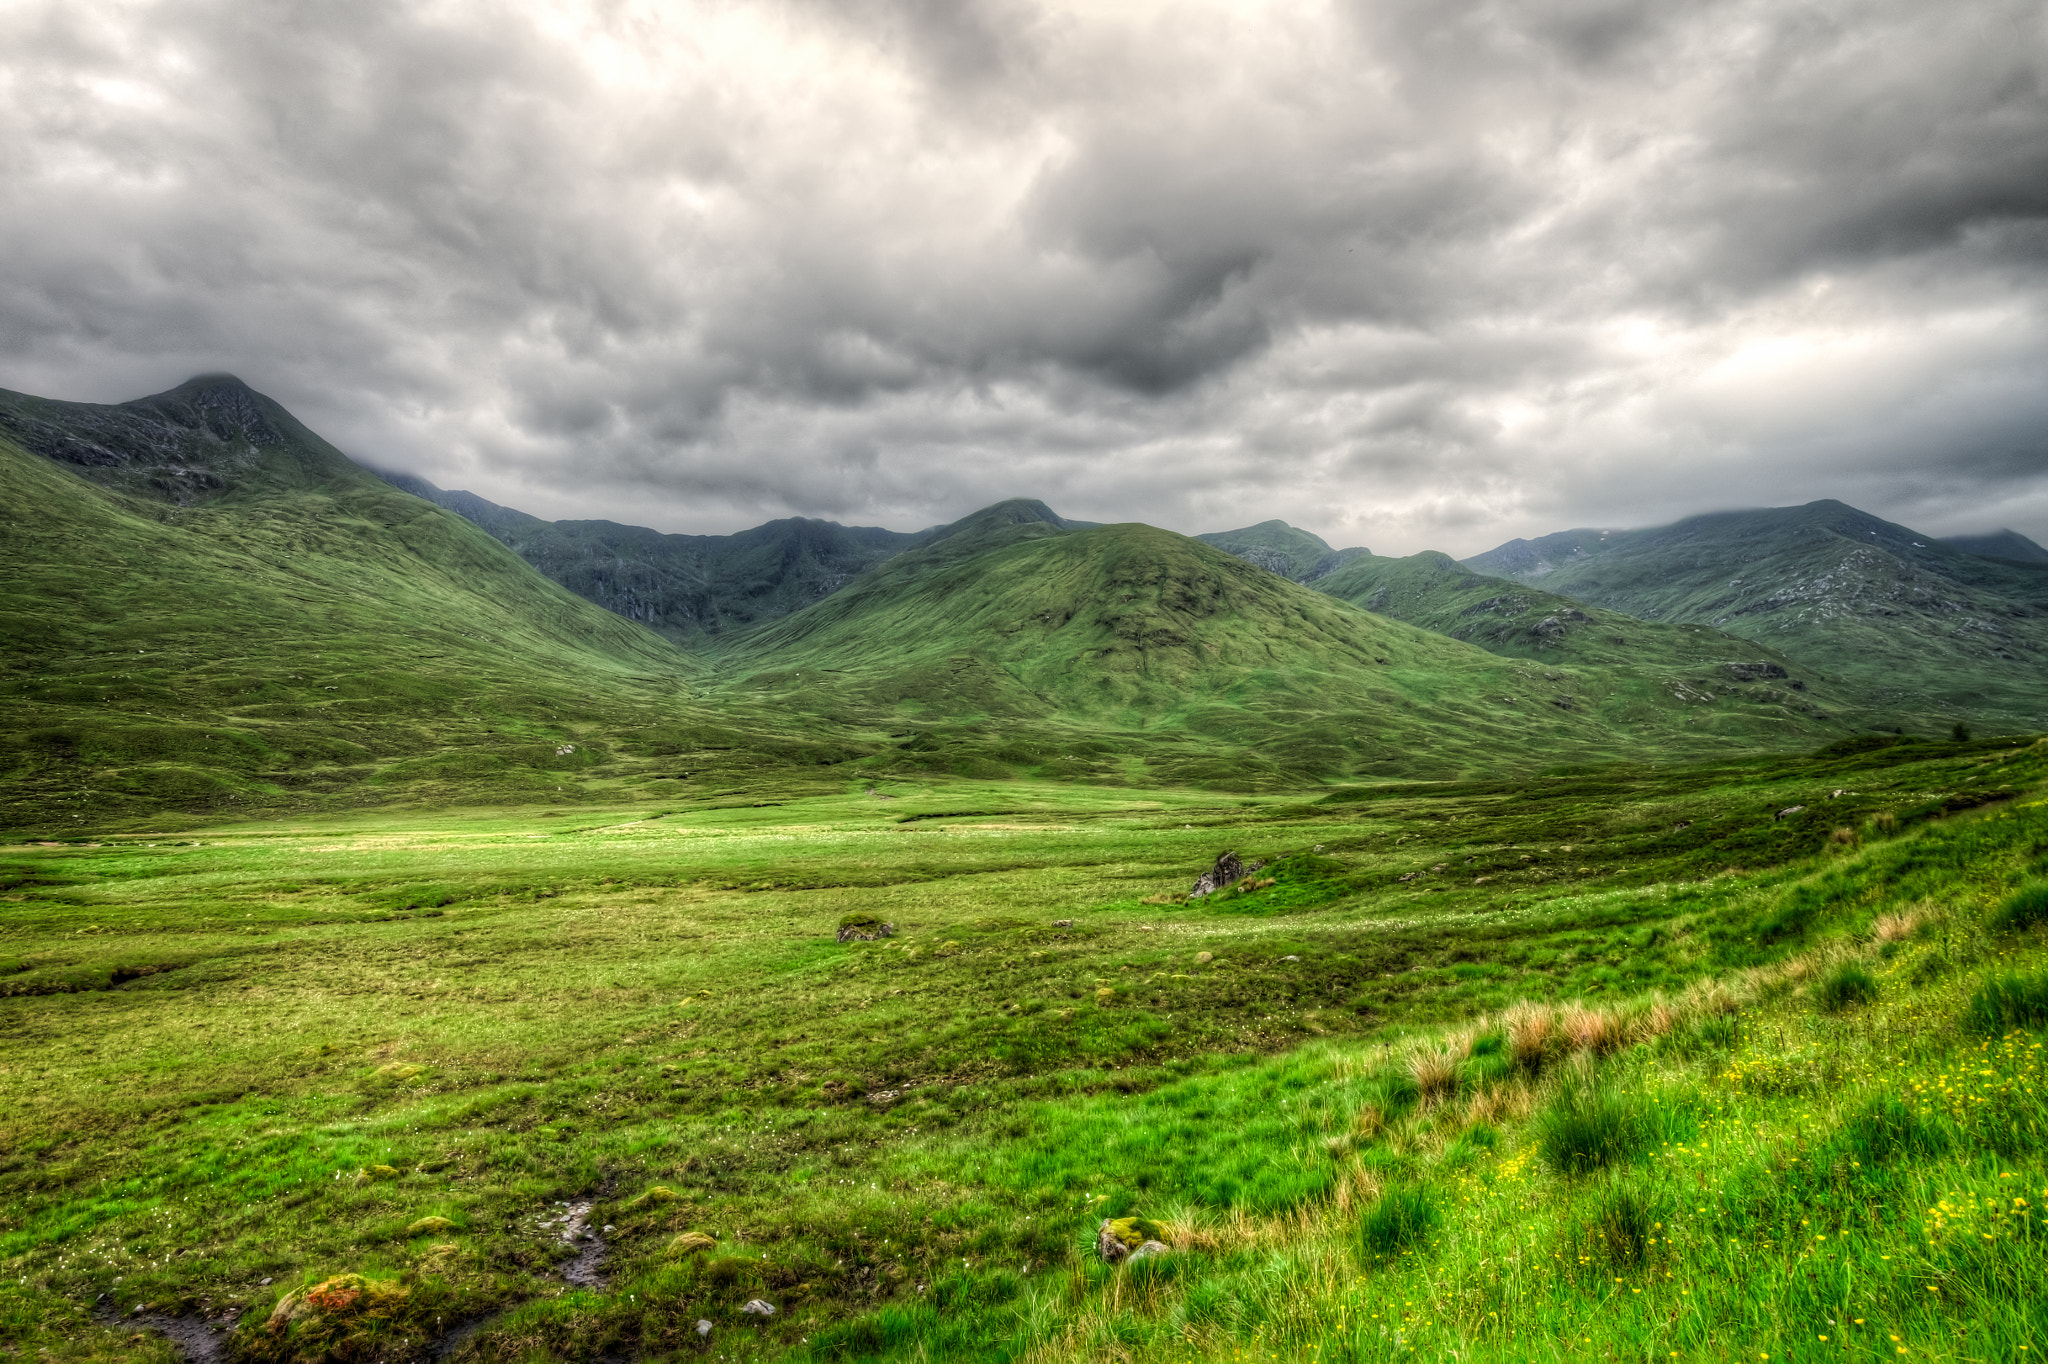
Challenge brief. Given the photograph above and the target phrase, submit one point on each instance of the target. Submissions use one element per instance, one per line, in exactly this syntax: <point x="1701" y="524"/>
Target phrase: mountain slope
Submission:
<point x="196" y="612"/>
<point x="1438" y="593"/>
<point x="1283" y="549"/>
<point x="689" y="588"/>
<point x="1183" y="662"/>
<point x="2000" y="544"/>
<point x="699" y="590"/>
<point x="1915" y="625"/>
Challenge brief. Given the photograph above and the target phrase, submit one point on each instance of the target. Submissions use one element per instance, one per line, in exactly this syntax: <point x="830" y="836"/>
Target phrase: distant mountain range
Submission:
<point x="206" y="605"/>
<point x="1916" y="625"/>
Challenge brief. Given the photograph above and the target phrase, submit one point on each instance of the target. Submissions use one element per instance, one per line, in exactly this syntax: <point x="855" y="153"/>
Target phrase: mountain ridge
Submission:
<point x="1874" y="603"/>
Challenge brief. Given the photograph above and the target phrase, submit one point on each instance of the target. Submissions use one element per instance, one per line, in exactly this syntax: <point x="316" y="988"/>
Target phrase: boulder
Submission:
<point x="1228" y="871"/>
<point x="1119" y="1238"/>
<point x="864" y="928"/>
<point x="1754" y="672"/>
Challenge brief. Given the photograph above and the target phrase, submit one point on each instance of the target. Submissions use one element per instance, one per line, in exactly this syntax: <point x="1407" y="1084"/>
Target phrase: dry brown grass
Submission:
<point x="1895" y="927"/>
<point x="1707" y="999"/>
<point x="1435" y="1073"/>
<point x="1651" y="1020"/>
<point x="1532" y="1031"/>
<point x="1594" y="1031"/>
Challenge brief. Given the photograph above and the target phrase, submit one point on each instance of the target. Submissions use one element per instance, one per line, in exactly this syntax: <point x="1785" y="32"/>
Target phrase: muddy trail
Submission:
<point x="201" y="1340"/>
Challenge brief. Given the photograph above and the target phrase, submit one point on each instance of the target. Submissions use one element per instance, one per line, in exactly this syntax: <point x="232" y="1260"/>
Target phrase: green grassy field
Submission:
<point x="1613" y="1061"/>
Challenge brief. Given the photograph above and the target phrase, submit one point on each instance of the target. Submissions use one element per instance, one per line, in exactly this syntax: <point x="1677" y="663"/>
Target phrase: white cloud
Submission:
<point x="1410" y="275"/>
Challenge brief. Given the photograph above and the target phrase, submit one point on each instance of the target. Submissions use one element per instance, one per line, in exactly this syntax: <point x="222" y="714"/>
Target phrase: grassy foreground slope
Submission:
<point x="1136" y="653"/>
<point x="1615" y="1064"/>
<point x="281" y="629"/>
<point x="1915" y="626"/>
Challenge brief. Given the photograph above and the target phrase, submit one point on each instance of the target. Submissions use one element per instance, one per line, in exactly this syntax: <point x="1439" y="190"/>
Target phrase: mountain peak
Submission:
<point x="1287" y="550"/>
<point x="1999" y="544"/>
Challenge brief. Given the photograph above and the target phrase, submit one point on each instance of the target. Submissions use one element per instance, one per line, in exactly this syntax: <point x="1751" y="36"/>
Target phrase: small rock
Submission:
<point x="1147" y="1251"/>
<point x="703" y="1329"/>
<point x="1062" y="923"/>
<point x="755" y="1307"/>
<point x="1204" y="958"/>
<point x="426" y="1226"/>
<point x="1790" y="811"/>
<point x="864" y="928"/>
<point x="266" y="1281"/>
<point x="690" y="1242"/>
<point x="660" y="1193"/>
<point x="1290" y="958"/>
<point x="1118" y="1237"/>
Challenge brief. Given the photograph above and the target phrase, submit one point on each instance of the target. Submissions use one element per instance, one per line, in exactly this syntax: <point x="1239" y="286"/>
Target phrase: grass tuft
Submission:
<point x="1844" y="987"/>
<point x="1400" y="1222"/>
<point x="2008" y="1001"/>
<point x="1589" y="1127"/>
<point x="2022" y="909"/>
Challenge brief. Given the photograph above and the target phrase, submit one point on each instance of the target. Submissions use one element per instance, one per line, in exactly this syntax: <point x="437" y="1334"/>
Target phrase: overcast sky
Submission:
<point x="1411" y="275"/>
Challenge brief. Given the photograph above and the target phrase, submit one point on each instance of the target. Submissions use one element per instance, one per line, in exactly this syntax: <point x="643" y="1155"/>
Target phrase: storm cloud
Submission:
<point x="1407" y="274"/>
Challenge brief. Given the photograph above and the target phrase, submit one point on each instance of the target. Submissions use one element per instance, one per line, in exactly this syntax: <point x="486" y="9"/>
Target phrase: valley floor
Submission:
<point x="1734" y="1061"/>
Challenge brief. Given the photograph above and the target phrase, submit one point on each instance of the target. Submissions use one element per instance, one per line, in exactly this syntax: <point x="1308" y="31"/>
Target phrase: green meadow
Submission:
<point x="1611" y="1062"/>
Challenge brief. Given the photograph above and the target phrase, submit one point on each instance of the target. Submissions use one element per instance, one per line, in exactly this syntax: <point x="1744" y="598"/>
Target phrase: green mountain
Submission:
<point x="697" y="590"/>
<point x="690" y="588"/>
<point x="1282" y="549"/>
<point x="1999" y="544"/>
<point x="1438" y="593"/>
<point x="204" y="604"/>
<point x="1132" y="652"/>
<point x="1915" y="626"/>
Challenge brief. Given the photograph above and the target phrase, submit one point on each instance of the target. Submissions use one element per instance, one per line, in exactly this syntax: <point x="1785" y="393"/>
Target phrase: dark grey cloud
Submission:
<point x="1410" y="274"/>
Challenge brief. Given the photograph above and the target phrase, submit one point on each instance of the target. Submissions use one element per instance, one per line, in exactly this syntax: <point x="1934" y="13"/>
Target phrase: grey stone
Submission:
<point x="866" y="932"/>
<point x="1228" y="871"/>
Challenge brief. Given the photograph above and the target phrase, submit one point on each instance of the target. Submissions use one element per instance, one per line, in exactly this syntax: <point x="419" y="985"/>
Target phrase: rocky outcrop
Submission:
<point x="1228" y="871"/>
<point x="865" y="928"/>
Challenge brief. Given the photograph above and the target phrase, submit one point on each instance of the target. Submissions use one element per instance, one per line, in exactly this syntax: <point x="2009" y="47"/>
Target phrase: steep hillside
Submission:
<point x="1438" y="593"/>
<point x="2000" y="544"/>
<point x="1283" y="549"/>
<point x="204" y="605"/>
<point x="699" y="590"/>
<point x="689" y="588"/>
<point x="1131" y="651"/>
<point x="1915" y="626"/>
